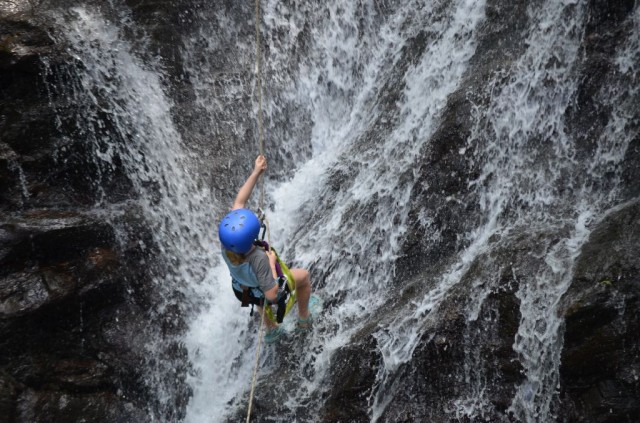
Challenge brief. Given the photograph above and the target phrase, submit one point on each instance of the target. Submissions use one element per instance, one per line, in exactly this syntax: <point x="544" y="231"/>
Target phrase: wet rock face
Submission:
<point x="600" y="355"/>
<point x="23" y="107"/>
<point x="46" y="259"/>
<point x="447" y="161"/>
<point x="353" y="377"/>
<point x="74" y="298"/>
<point x="40" y="167"/>
<point x="600" y="371"/>
<point x="452" y="366"/>
<point x="63" y="300"/>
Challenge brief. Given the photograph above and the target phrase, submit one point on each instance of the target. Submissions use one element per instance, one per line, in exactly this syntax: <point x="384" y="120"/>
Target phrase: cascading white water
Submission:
<point x="523" y="187"/>
<point x="525" y="121"/>
<point x="115" y="86"/>
<point x="120" y="85"/>
<point x="342" y="106"/>
<point x="352" y="56"/>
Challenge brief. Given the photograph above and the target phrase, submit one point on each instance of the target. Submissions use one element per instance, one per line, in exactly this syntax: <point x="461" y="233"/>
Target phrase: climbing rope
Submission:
<point x="261" y="147"/>
<point x="259" y="94"/>
<point x="255" y="369"/>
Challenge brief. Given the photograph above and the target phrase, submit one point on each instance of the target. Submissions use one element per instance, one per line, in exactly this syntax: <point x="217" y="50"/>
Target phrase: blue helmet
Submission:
<point x="238" y="229"/>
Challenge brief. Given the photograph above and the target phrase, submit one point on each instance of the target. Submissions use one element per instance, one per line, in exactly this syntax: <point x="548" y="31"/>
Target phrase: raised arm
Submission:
<point x="246" y="189"/>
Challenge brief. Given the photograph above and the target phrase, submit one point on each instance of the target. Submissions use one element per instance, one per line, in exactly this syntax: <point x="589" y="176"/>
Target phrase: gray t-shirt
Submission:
<point x="259" y="262"/>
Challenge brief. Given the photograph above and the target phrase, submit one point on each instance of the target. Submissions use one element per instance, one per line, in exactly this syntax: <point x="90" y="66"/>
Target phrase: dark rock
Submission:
<point x="458" y="355"/>
<point x="79" y="374"/>
<point x="353" y="374"/>
<point x="22" y="293"/>
<point x="46" y="255"/>
<point x="21" y="45"/>
<point x="23" y="103"/>
<point x="600" y="370"/>
<point x="45" y="160"/>
<point x="9" y="390"/>
<point x="51" y="406"/>
<point x="61" y="282"/>
<point x="631" y="170"/>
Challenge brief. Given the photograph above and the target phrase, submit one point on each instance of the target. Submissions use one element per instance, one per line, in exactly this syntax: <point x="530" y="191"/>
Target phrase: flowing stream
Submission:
<point x="354" y="92"/>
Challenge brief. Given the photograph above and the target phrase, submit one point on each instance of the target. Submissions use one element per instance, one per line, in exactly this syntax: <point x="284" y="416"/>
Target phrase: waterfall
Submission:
<point x="125" y="116"/>
<point x="355" y="94"/>
<point x="337" y="84"/>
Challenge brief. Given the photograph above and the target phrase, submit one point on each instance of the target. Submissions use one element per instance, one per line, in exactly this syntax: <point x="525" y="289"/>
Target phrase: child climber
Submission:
<point x="253" y="270"/>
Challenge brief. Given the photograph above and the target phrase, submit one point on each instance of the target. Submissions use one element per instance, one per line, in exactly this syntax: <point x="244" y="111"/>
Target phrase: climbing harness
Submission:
<point x="287" y="284"/>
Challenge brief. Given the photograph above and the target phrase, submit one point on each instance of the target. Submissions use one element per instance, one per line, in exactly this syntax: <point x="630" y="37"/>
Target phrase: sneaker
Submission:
<point x="272" y="335"/>
<point x="305" y="324"/>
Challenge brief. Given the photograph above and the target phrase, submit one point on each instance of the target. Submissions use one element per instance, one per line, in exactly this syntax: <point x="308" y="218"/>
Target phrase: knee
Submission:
<point x="302" y="276"/>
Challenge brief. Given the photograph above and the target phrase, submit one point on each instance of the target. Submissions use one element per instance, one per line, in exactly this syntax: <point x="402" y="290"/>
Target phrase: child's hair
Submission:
<point x="235" y="258"/>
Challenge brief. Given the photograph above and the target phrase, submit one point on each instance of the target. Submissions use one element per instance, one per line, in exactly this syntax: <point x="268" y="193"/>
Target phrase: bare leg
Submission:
<point x="303" y="288"/>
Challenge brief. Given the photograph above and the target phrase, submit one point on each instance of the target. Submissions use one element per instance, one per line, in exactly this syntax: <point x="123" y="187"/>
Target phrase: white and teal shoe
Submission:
<point x="273" y="335"/>
<point x="305" y="324"/>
